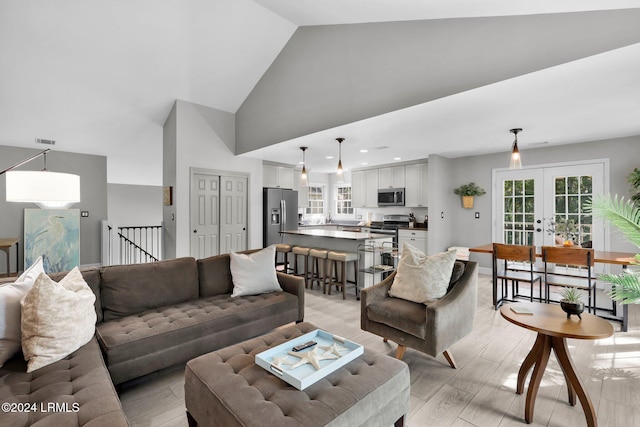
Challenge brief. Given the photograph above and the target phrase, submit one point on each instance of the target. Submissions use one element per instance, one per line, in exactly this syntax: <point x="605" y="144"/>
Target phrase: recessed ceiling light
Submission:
<point x="397" y="158"/>
<point x="364" y="163"/>
<point x="364" y="151"/>
<point x="329" y="157"/>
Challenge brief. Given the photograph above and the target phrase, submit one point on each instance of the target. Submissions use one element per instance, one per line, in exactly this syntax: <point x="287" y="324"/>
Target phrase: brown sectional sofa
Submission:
<point x="150" y="316"/>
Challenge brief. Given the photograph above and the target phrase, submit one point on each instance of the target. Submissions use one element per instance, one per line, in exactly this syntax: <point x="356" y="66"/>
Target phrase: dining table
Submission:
<point x="623" y="259"/>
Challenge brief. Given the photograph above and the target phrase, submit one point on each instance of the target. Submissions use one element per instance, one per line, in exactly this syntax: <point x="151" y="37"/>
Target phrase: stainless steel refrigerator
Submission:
<point x="280" y="212"/>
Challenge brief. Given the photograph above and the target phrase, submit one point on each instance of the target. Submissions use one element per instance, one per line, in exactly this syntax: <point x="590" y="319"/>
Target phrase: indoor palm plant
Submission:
<point x="624" y="215"/>
<point x="468" y="192"/>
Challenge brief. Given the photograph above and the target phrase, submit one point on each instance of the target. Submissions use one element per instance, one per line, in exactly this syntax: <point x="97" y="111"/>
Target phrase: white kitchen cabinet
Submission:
<point x="277" y="176"/>
<point x="357" y="189"/>
<point x="415" y="237"/>
<point x="416" y="189"/>
<point x="371" y="188"/>
<point x="391" y="177"/>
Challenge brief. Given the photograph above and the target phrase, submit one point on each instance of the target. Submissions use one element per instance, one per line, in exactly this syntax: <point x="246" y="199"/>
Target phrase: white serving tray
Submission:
<point x="305" y="375"/>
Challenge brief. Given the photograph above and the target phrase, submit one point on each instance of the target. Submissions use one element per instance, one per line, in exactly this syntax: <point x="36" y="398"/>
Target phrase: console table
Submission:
<point x="553" y="329"/>
<point x="5" y="245"/>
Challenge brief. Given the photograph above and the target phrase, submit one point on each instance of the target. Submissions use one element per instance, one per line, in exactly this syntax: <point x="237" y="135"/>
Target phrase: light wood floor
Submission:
<point x="481" y="392"/>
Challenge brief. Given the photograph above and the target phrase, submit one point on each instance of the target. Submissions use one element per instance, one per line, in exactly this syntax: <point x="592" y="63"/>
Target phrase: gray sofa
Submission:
<point x="150" y="316"/>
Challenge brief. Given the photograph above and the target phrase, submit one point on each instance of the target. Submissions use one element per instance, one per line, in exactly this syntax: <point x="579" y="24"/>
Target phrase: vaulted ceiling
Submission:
<point x="100" y="77"/>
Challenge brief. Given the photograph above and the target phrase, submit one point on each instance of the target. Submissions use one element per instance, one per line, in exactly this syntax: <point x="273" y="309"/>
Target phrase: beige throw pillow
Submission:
<point x="57" y="319"/>
<point x="255" y="273"/>
<point x="422" y="278"/>
<point x="10" y="296"/>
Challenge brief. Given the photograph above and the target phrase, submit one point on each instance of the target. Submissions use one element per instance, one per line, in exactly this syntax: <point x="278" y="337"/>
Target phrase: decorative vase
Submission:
<point x="571" y="307"/>
<point x="467" y="202"/>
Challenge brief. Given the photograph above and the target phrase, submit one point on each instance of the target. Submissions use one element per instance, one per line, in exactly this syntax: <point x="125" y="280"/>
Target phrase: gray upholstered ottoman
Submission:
<point x="226" y="388"/>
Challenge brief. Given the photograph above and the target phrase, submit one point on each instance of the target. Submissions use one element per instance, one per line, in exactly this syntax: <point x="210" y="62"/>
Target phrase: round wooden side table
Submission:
<point x="553" y="329"/>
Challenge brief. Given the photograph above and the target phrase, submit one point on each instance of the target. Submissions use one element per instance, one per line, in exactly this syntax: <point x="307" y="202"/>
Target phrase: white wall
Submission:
<point x="205" y="138"/>
<point x="134" y="205"/>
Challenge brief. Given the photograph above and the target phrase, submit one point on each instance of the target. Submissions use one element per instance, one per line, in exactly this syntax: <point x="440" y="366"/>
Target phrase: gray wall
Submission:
<point x="169" y="151"/>
<point x="134" y="205"/>
<point x="331" y="75"/>
<point x="93" y="195"/>
<point x="623" y="155"/>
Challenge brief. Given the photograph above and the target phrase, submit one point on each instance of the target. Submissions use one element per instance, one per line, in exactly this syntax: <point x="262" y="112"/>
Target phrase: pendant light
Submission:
<point x="339" y="174"/>
<point x="48" y="190"/>
<point x="516" y="161"/>
<point x="304" y="182"/>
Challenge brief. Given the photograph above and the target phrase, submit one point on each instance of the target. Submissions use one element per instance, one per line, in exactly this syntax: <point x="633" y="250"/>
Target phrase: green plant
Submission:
<point x="572" y="295"/>
<point x="634" y="179"/>
<point x="567" y="228"/>
<point x="624" y="215"/>
<point x="470" y="189"/>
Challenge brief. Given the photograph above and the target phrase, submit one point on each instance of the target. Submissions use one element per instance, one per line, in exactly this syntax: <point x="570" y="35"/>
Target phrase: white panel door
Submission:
<point x="233" y="214"/>
<point x="205" y="225"/>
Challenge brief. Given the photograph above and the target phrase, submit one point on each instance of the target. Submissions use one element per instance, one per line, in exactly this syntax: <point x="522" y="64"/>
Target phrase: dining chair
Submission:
<point x="577" y="270"/>
<point x="503" y="257"/>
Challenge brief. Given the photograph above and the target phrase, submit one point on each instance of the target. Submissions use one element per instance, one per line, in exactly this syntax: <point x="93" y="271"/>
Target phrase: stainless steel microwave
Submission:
<point x="391" y="197"/>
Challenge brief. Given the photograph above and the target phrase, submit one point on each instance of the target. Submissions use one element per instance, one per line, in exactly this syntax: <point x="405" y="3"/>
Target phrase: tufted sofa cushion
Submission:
<point x="226" y="388"/>
<point x="218" y="320"/>
<point x="80" y="381"/>
<point x="129" y="289"/>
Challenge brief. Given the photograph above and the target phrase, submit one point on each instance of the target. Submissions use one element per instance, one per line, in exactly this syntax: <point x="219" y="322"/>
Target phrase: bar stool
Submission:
<point x="343" y="258"/>
<point x="285" y="249"/>
<point x="317" y="274"/>
<point x="304" y="252"/>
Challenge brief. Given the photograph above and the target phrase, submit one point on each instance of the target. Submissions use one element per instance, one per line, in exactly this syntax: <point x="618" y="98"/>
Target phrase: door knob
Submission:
<point x="538" y="229"/>
<point x="539" y="221"/>
<point x="195" y="231"/>
<point x="244" y="229"/>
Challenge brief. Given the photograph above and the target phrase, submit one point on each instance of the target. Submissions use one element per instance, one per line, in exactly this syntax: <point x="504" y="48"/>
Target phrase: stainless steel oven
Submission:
<point x="391" y="197"/>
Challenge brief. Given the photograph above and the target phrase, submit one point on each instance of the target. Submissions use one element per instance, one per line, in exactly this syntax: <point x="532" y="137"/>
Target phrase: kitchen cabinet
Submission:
<point x="416" y="189"/>
<point x="371" y="188"/>
<point x="277" y="176"/>
<point x="415" y="237"/>
<point x="391" y="177"/>
<point x="364" y="188"/>
<point x="357" y="189"/>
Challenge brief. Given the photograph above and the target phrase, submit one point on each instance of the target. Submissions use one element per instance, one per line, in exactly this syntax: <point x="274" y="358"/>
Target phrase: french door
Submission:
<point x="529" y="201"/>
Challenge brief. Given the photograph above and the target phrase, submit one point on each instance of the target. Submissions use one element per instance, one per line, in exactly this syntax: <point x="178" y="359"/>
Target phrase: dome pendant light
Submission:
<point x="304" y="181"/>
<point x="516" y="161"/>
<point x="339" y="174"/>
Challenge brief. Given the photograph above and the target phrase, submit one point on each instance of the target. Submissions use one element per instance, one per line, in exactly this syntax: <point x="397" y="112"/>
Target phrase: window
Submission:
<point x="518" y="211"/>
<point x="316" y="200"/>
<point x="343" y="200"/>
<point x="572" y="193"/>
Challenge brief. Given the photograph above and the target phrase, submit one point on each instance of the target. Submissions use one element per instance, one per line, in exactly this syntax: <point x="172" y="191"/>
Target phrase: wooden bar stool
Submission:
<point x="343" y="258"/>
<point x="318" y="274"/>
<point x="301" y="251"/>
<point x="285" y="249"/>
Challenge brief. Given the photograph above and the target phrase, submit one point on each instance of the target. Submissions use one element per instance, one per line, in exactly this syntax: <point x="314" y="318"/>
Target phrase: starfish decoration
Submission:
<point x="278" y="361"/>
<point x="333" y="349"/>
<point x="312" y="357"/>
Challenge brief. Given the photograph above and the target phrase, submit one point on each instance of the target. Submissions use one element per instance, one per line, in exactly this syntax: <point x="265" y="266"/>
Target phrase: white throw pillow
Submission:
<point x="10" y="296"/>
<point x="57" y="319"/>
<point x="420" y="278"/>
<point x="255" y="273"/>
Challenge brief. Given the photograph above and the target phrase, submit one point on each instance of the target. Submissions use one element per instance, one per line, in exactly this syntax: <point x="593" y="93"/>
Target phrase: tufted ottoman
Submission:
<point x="226" y="388"/>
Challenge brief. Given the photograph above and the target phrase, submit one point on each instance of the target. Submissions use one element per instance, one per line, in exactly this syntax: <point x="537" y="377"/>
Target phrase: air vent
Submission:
<point x="382" y="147"/>
<point x="45" y="141"/>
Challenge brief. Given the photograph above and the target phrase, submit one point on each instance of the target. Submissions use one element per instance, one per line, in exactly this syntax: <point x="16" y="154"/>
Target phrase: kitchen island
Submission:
<point x="369" y="247"/>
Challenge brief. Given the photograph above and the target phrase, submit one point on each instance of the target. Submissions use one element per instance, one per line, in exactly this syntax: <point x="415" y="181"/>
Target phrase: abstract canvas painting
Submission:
<point x="53" y="234"/>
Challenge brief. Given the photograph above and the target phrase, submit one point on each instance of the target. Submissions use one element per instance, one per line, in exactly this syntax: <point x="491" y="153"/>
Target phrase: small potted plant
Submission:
<point x="468" y="192"/>
<point x="571" y="302"/>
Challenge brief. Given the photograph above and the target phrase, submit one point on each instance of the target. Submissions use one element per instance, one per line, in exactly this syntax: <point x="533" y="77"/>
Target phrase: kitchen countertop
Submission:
<point x="345" y="235"/>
